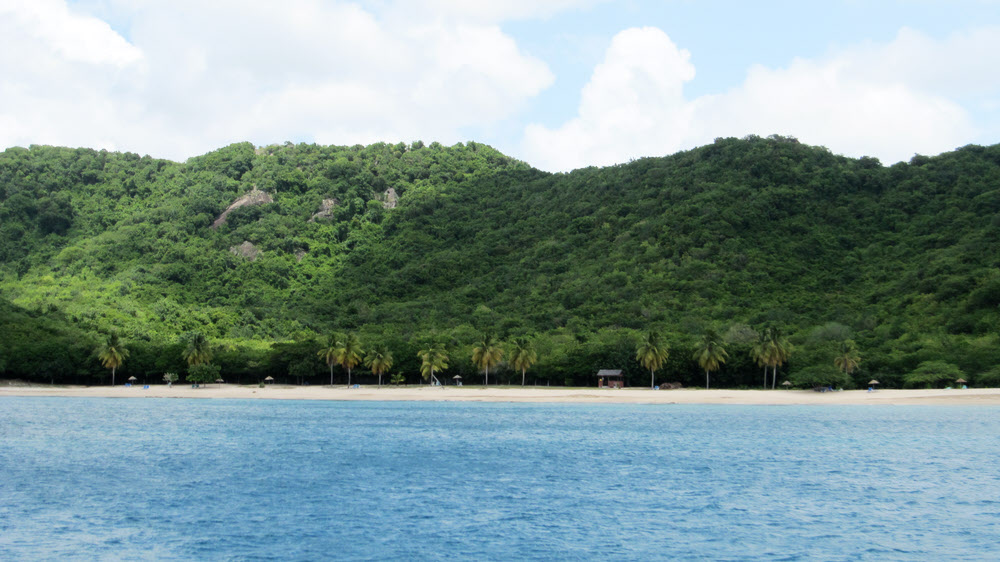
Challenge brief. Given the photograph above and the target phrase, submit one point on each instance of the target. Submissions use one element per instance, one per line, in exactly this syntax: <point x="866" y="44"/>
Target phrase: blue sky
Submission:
<point x="726" y="38"/>
<point x="558" y="83"/>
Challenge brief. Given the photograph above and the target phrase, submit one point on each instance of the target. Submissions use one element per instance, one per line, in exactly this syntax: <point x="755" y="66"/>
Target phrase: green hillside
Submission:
<point x="735" y="236"/>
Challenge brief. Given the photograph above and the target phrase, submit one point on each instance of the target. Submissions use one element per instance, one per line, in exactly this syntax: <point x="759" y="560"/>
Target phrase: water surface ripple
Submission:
<point x="247" y="480"/>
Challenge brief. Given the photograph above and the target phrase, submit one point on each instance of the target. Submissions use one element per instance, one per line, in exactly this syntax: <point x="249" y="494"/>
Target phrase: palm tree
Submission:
<point x="759" y="352"/>
<point x="710" y="353"/>
<point x="486" y="354"/>
<point x="349" y="353"/>
<point x="847" y="358"/>
<point x="379" y="360"/>
<point x="522" y="355"/>
<point x="779" y="350"/>
<point x="112" y="354"/>
<point x="198" y="350"/>
<point x="434" y="358"/>
<point x="329" y="355"/>
<point x="651" y="353"/>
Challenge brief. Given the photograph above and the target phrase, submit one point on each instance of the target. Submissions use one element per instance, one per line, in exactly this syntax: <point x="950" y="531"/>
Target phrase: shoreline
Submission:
<point x="951" y="397"/>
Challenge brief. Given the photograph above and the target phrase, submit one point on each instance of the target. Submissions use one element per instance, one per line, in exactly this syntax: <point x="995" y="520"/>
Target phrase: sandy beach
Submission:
<point x="957" y="397"/>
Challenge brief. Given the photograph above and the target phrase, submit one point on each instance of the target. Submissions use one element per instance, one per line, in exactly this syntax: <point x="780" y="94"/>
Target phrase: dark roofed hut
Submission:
<point x="610" y="378"/>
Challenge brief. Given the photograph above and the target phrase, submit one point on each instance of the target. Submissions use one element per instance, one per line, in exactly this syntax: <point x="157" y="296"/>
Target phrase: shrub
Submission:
<point x="203" y="374"/>
<point x="932" y="374"/>
<point x="820" y="375"/>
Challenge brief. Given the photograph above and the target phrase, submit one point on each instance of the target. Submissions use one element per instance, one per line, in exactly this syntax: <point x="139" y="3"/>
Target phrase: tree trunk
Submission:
<point x="380" y="380"/>
<point x="774" y="377"/>
<point x="706" y="379"/>
<point x="522" y="377"/>
<point x="652" y="384"/>
<point x="112" y="376"/>
<point x="348" y="377"/>
<point x="331" y="374"/>
<point x="487" y="376"/>
<point x="765" y="377"/>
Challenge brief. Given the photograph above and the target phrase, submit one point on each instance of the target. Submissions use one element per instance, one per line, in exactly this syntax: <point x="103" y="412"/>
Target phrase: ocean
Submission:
<point x="175" y="479"/>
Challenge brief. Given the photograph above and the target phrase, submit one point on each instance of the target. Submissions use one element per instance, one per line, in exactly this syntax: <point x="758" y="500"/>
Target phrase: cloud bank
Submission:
<point x="887" y="101"/>
<point x="181" y="78"/>
<point x="196" y="75"/>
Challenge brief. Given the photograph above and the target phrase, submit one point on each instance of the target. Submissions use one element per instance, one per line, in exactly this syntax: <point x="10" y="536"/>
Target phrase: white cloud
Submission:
<point x="959" y="66"/>
<point x="61" y="71"/>
<point x="70" y="36"/>
<point x="495" y="11"/>
<point x="826" y="103"/>
<point x="887" y="101"/>
<point x="198" y="75"/>
<point x="181" y="78"/>
<point x="475" y="63"/>
<point x="634" y="101"/>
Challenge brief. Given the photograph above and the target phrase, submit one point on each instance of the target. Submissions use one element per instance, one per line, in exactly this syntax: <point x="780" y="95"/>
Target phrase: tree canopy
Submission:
<point x="401" y="242"/>
<point x="710" y="353"/>
<point x="651" y="353"/>
<point x="112" y="354"/>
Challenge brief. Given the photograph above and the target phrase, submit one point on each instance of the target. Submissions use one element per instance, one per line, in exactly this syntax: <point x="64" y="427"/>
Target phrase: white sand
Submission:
<point x="989" y="396"/>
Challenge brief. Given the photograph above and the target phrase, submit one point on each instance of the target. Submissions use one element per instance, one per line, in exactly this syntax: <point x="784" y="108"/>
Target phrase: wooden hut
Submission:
<point x="610" y="378"/>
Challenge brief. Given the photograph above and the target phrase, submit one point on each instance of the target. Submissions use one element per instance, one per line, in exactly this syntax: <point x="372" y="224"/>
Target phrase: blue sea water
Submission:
<point x="220" y="479"/>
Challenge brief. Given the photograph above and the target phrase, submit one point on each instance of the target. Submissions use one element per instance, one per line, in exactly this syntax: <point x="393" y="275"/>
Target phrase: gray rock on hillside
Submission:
<point x="252" y="197"/>
<point x="246" y="250"/>
<point x="325" y="209"/>
<point x="390" y="199"/>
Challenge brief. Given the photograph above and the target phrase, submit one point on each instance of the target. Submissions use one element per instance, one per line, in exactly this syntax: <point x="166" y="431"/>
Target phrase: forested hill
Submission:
<point x="406" y="244"/>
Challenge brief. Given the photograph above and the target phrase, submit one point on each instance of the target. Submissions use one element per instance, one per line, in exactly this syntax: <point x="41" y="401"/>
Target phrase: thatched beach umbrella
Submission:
<point x="132" y="379"/>
<point x="959" y="381"/>
<point x="786" y="384"/>
<point x="873" y="382"/>
<point x="219" y="381"/>
<point x="457" y="379"/>
<point x="269" y="379"/>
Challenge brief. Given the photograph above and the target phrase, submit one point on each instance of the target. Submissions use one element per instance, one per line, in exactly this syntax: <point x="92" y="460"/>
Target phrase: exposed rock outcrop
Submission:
<point x="252" y="197"/>
<point x="390" y="199"/>
<point x="325" y="210"/>
<point x="246" y="250"/>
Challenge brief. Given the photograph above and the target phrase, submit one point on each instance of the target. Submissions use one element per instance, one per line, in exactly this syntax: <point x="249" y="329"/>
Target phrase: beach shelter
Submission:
<point x="961" y="382"/>
<point x="269" y="379"/>
<point x="219" y="381"/>
<point x="872" y="384"/>
<point x="610" y="378"/>
<point x="786" y="384"/>
<point x="457" y="379"/>
<point x="132" y="379"/>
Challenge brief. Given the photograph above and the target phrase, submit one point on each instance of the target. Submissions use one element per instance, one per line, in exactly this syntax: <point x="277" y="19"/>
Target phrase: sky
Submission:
<point x="560" y="84"/>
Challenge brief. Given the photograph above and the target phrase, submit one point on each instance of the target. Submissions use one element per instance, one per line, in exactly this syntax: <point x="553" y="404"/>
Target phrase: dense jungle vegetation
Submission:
<point x="738" y="236"/>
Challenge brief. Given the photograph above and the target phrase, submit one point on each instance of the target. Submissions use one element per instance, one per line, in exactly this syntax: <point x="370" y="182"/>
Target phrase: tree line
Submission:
<point x="769" y="349"/>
